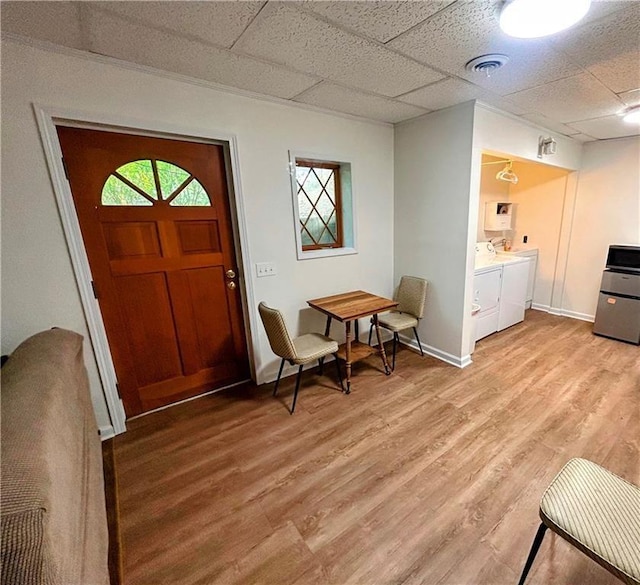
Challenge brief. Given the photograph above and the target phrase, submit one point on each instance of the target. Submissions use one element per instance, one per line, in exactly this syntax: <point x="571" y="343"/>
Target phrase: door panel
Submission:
<point x="155" y="220"/>
<point x="132" y="240"/>
<point x="146" y="305"/>
<point x="198" y="237"/>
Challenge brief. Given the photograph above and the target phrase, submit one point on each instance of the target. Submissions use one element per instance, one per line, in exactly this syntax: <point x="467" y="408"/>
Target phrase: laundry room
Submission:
<point x="522" y="205"/>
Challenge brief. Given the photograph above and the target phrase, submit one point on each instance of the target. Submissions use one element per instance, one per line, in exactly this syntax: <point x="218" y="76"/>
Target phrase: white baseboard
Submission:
<point x="459" y="362"/>
<point x="106" y="432"/>
<point x="538" y="307"/>
<point x="564" y="313"/>
<point x="580" y="316"/>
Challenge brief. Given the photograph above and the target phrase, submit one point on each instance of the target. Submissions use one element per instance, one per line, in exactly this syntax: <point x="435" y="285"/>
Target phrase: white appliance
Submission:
<point x="500" y="288"/>
<point x="532" y="254"/>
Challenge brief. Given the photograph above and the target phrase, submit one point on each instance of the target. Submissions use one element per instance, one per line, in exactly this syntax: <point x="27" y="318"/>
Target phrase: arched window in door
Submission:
<point x="152" y="182"/>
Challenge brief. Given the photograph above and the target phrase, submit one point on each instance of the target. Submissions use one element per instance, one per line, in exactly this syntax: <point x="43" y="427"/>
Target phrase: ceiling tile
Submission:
<point x="452" y="91"/>
<point x="630" y="98"/>
<point x="607" y="127"/>
<point x="115" y="37"/>
<point x="609" y="48"/>
<point x="286" y="35"/>
<point x="574" y="98"/>
<point x="56" y="22"/>
<point x="602" y="8"/>
<point x="582" y="138"/>
<point x="550" y="124"/>
<point x="452" y="37"/>
<point x="335" y="97"/>
<point x="377" y="19"/>
<point x="219" y="23"/>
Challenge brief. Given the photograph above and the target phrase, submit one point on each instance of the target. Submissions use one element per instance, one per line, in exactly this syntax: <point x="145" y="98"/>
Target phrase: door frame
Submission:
<point x="48" y="117"/>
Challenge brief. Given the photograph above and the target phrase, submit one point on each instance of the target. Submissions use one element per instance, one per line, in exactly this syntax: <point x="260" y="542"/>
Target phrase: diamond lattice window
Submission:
<point x="153" y="182"/>
<point x="319" y="204"/>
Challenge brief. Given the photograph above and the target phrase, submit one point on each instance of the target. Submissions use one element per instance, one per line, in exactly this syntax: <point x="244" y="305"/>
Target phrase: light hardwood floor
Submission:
<point x="431" y="476"/>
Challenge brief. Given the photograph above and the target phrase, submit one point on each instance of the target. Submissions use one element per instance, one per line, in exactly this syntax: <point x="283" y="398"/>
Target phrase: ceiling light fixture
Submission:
<point x="530" y="19"/>
<point x="631" y="115"/>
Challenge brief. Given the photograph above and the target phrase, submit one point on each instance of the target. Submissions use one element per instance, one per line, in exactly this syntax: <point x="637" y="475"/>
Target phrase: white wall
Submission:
<point x="432" y="209"/>
<point x="491" y="189"/>
<point x="38" y="285"/>
<point x="607" y="211"/>
<point x="503" y="134"/>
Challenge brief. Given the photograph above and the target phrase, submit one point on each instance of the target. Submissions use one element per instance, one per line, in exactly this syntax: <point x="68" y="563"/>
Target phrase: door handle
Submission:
<point x="231" y="285"/>
<point x="230" y="273"/>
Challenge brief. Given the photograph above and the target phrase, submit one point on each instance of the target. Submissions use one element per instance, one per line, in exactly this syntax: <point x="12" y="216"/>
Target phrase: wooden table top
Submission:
<point x="352" y="305"/>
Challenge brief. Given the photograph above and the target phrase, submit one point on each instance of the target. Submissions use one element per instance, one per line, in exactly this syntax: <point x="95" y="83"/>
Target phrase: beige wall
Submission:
<point x="607" y="211"/>
<point x="38" y="286"/>
<point x="538" y="199"/>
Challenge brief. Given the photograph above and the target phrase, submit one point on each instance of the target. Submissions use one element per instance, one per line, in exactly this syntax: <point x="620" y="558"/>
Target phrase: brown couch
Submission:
<point x="54" y="526"/>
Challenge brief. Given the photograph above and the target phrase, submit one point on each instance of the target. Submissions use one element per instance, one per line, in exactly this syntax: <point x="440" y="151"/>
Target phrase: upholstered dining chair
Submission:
<point x="598" y="513"/>
<point x="411" y="296"/>
<point x="299" y="351"/>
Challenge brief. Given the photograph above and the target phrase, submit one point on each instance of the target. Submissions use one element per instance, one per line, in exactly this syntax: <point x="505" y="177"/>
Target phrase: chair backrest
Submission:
<point x="411" y="295"/>
<point x="277" y="333"/>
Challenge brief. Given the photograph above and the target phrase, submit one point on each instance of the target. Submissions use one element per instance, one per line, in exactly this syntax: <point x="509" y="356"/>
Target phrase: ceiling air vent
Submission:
<point x="487" y="63"/>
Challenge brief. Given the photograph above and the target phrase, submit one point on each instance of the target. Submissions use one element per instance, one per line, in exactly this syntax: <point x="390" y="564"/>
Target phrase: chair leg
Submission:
<point x="320" y="365"/>
<point x="415" y="331"/>
<point x="537" y="541"/>
<point x="335" y="355"/>
<point x="370" y="331"/>
<point x="295" y="394"/>
<point x="395" y="342"/>
<point x="275" y="388"/>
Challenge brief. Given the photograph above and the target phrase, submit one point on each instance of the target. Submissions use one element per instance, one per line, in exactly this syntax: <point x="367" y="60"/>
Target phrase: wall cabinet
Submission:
<point x="498" y="216"/>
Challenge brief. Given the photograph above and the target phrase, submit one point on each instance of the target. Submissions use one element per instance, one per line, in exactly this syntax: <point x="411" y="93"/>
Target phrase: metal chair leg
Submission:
<point x="415" y="332"/>
<point x="537" y="541"/>
<point x="335" y="355"/>
<point x="320" y="365"/>
<point x="295" y="394"/>
<point x="275" y="388"/>
<point x="370" y="331"/>
<point x="395" y="342"/>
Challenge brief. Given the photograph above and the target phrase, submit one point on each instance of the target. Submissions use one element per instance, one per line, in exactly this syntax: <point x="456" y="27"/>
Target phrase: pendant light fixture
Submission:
<point x="529" y="19"/>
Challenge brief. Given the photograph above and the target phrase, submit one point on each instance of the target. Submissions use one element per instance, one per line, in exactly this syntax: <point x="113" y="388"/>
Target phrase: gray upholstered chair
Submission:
<point x="411" y="296"/>
<point x="598" y="513"/>
<point x="300" y="351"/>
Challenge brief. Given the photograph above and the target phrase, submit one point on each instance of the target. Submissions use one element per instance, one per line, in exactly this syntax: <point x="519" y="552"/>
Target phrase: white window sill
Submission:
<point x="310" y="254"/>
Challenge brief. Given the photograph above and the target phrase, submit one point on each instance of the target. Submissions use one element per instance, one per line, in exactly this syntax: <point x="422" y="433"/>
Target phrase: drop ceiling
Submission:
<point x="385" y="60"/>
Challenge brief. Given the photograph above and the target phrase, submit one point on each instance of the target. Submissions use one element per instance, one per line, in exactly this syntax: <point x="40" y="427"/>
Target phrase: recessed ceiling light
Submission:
<point x="632" y="115"/>
<point x="529" y="19"/>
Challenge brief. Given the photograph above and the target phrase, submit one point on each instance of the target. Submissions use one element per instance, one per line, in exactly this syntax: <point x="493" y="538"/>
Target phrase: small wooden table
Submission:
<point x="348" y="307"/>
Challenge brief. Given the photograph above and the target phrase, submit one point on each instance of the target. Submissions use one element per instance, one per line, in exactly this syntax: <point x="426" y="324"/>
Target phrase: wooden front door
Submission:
<point x="155" y="220"/>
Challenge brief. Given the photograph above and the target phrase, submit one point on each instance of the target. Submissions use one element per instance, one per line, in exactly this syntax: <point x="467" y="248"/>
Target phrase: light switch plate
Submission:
<point x="265" y="269"/>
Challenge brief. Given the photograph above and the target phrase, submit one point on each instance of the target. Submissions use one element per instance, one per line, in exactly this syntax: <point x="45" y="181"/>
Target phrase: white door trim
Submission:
<point x="47" y="119"/>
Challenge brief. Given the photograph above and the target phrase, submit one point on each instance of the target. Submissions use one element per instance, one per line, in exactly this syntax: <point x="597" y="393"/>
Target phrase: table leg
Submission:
<point x="347" y="326"/>
<point x="327" y="329"/>
<point x="387" y="371"/>
<point x="356" y="327"/>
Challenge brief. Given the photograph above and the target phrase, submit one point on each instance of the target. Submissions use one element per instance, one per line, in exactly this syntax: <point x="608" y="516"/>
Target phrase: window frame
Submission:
<point x="346" y="224"/>
<point x="335" y="167"/>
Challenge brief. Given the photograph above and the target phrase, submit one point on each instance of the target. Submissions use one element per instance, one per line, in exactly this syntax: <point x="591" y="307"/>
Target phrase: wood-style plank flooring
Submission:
<point x="432" y="475"/>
